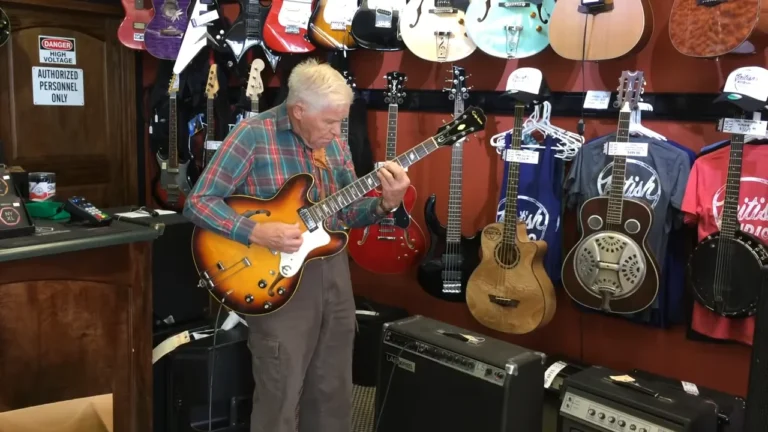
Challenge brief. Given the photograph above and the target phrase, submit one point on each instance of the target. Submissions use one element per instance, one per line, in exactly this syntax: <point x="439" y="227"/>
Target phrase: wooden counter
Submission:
<point x="75" y="319"/>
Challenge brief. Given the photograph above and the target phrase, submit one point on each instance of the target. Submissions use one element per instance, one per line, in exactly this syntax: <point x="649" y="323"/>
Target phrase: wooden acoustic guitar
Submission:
<point x="606" y="30"/>
<point x="285" y="30"/>
<point x="396" y="243"/>
<point x="510" y="290"/>
<point x="612" y="268"/>
<point x="5" y="28"/>
<point x="254" y="280"/>
<point x="330" y="25"/>
<point x="434" y="30"/>
<point x="713" y="28"/>
<point x="131" y="30"/>
<point x="376" y="25"/>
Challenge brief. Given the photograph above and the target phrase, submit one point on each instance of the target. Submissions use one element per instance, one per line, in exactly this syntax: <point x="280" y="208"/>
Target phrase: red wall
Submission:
<point x="611" y="342"/>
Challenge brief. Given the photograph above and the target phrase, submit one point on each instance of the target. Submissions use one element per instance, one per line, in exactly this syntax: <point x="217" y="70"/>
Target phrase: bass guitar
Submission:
<point x="285" y="30"/>
<point x="5" y="28"/>
<point x="725" y="268"/>
<point x="716" y="27"/>
<point x="247" y="30"/>
<point x="509" y="29"/>
<point x="396" y="243"/>
<point x="510" y="291"/>
<point x="611" y="268"/>
<point x="171" y="186"/>
<point x="165" y="31"/>
<point x="254" y="280"/>
<point x="131" y="30"/>
<point x="603" y="30"/>
<point x="451" y="257"/>
<point x="434" y="30"/>
<point x="211" y="89"/>
<point x="376" y="25"/>
<point x="255" y="86"/>
<point x="329" y="25"/>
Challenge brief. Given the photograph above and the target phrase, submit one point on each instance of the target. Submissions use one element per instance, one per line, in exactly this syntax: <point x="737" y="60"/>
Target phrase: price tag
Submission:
<point x="6" y="177"/>
<point x="383" y="18"/>
<point x="552" y="372"/>
<point x="522" y="156"/>
<point x="597" y="100"/>
<point x="212" y="145"/>
<point x="626" y="149"/>
<point x="743" y="126"/>
<point x="690" y="388"/>
<point x="138" y="37"/>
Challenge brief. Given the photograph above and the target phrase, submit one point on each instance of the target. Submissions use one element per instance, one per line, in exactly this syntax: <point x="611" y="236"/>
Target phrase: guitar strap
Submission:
<point x="320" y="164"/>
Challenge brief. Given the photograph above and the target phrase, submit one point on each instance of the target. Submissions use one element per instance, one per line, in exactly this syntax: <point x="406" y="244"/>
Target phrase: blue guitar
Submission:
<point x="509" y="29"/>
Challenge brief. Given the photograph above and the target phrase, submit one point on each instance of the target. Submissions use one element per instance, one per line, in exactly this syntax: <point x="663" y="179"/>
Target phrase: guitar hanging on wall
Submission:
<point x="255" y="86"/>
<point x="248" y="31"/>
<point x="131" y="30"/>
<point x="254" y="280"/>
<point x="285" y="30"/>
<point x="509" y="30"/>
<point x="612" y="268"/>
<point x="171" y="185"/>
<point x="376" y="25"/>
<point x="329" y="25"/>
<point x="434" y="30"/>
<point x="451" y="257"/>
<point x="725" y="268"/>
<point x="165" y="31"/>
<point x="510" y="290"/>
<point x="396" y="243"/>
<point x="211" y="89"/>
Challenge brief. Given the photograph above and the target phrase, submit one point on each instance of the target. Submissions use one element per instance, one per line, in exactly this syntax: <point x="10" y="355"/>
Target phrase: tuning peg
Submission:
<point x="443" y="121"/>
<point x="446" y="89"/>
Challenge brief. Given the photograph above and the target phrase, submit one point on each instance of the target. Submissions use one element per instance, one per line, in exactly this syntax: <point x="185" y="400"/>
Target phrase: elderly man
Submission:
<point x="302" y="353"/>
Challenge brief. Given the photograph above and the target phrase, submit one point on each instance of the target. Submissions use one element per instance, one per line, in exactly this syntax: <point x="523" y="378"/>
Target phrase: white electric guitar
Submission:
<point x="196" y="36"/>
<point x="434" y="30"/>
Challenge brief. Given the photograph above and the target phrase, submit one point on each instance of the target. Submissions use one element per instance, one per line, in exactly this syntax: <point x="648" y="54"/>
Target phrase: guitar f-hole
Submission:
<point x="249" y="213"/>
<point x="418" y="15"/>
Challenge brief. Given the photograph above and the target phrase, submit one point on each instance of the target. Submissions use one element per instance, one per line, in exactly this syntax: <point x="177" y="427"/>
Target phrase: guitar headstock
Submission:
<point x="255" y="86"/>
<point x="173" y="87"/>
<point x="470" y="121"/>
<point x="212" y="86"/>
<point x="458" y="82"/>
<point x="631" y="87"/>
<point x="395" y="85"/>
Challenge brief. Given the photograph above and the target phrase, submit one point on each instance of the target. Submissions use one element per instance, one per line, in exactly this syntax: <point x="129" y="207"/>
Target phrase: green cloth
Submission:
<point x="50" y="210"/>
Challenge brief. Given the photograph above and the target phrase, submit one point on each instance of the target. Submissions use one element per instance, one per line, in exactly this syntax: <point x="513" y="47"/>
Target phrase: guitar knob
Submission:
<point x="533" y="14"/>
<point x="262" y="284"/>
<point x="267" y="305"/>
<point x="538" y="28"/>
<point x="280" y="291"/>
<point x="249" y="298"/>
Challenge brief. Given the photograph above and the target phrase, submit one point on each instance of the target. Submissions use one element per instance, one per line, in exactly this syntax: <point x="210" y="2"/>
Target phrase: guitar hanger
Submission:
<point x="635" y="126"/>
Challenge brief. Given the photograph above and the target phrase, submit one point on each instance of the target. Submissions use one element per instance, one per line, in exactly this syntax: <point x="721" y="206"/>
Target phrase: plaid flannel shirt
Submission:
<point x="255" y="159"/>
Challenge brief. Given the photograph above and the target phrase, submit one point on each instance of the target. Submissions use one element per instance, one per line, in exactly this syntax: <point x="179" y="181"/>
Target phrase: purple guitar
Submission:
<point x="165" y="31"/>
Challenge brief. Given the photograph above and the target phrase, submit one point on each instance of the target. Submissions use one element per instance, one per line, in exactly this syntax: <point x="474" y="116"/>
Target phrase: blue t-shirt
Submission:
<point x="539" y="202"/>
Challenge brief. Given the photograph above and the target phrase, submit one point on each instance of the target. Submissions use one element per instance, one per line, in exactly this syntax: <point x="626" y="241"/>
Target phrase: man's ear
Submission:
<point x="298" y="111"/>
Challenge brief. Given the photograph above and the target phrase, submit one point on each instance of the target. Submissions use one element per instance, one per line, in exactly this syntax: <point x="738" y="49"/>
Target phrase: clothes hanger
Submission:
<point x="569" y="143"/>
<point x="635" y="125"/>
<point x="755" y="116"/>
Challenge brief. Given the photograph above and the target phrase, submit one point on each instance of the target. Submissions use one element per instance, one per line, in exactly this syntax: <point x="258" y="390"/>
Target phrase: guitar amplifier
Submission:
<point x="434" y="376"/>
<point x="592" y="402"/>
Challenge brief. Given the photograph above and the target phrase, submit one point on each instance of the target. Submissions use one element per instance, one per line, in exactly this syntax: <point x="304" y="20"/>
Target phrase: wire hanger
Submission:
<point x="635" y="125"/>
<point x="755" y="116"/>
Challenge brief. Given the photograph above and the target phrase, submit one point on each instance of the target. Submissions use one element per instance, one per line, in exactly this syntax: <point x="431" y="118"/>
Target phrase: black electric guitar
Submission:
<point x="451" y="257"/>
<point x="725" y="268"/>
<point x="246" y="31"/>
<point x="376" y="25"/>
<point x="5" y="28"/>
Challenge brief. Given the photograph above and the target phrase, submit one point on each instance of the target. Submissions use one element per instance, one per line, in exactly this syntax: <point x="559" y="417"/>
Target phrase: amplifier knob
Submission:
<point x="643" y="430"/>
<point x="611" y="419"/>
<point x="601" y="416"/>
<point x="622" y="423"/>
<point x="591" y="412"/>
<point x="632" y="427"/>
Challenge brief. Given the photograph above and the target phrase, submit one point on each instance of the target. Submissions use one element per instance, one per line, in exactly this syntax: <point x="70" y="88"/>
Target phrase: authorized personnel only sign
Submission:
<point x="57" y="86"/>
<point x="57" y="50"/>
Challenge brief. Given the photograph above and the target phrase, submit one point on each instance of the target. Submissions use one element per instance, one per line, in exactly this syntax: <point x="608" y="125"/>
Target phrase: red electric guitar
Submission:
<point x="395" y="243"/>
<point x="285" y="29"/>
<point x="138" y="13"/>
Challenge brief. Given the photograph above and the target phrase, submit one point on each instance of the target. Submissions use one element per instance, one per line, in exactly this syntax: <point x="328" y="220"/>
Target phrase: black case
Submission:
<point x="368" y="337"/>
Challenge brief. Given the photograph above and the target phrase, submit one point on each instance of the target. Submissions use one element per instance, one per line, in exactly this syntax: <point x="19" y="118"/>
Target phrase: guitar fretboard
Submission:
<point x="453" y="227"/>
<point x="254" y="106"/>
<point x="391" y="132"/>
<point x="211" y="127"/>
<point x="618" y="173"/>
<point x="253" y="10"/>
<point x="173" y="152"/>
<point x="730" y="220"/>
<point x="345" y="130"/>
<point x="513" y="174"/>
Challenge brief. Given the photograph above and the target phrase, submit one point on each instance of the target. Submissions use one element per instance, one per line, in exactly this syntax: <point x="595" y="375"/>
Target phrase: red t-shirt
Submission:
<point x="703" y="203"/>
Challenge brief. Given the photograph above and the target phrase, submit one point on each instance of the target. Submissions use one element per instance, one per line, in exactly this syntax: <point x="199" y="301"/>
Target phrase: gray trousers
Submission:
<point x="302" y="354"/>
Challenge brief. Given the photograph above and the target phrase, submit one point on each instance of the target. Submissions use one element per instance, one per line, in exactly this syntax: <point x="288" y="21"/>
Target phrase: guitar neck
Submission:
<point x="254" y="105"/>
<point x="730" y="220"/>
<point x="513" y="174"/>
<point x="391" y="133"/>
<point x="173" y="152"/>
<point x="453" y="227"/>
<point x="618" y="173"/>
<point x="345" y="130"/>
<point x="211" y="127"/>
<point x="253" y="18"/>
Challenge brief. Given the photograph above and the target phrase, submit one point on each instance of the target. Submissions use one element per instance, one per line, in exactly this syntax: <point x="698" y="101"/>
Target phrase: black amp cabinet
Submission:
<point x="437" y="377"/>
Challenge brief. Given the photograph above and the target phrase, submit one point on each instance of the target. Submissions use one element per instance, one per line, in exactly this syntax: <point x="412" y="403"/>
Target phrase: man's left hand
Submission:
<point x="394" y="183"/>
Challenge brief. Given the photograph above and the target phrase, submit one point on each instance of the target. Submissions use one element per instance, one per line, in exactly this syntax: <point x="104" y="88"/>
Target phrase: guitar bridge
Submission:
<point x="442" y="39"/>
<point x="503" y="301"/>
<point x="513" y="39"/>
<point x="451" y="288"/>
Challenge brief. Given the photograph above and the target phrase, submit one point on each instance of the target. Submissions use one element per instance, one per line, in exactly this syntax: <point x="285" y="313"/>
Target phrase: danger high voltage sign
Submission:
<point x="57" y="50"/>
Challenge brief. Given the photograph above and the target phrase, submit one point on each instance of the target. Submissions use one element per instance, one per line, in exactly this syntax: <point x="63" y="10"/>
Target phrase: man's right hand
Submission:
<point x="277" y="236"/>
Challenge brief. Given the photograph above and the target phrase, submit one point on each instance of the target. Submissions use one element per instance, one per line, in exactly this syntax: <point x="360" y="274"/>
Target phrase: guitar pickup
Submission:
<point x="306" y="217"/>
<point x="444" y="11"/>
<point x="338" y="25"/>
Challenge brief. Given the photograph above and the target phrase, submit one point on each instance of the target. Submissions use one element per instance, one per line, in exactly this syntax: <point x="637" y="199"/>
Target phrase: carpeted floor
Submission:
<point x="363" y="408"/>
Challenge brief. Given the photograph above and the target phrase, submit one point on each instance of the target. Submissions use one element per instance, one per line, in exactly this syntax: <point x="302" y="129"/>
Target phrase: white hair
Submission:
<point x="318" y="86"/>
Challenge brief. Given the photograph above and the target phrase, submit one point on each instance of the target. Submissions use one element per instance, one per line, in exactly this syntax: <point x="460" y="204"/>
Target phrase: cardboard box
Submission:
<point x="91" y="414"/>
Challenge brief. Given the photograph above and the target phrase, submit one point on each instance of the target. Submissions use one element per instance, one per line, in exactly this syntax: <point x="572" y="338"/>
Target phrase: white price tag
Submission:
<point x="212" y="145"/>
<point x="551" y="373"/>
<point x="690" y="388"/>
<point x="637" y="149"/>
<point x="744" y="126"/>
<point x="597" y="100"/>
<point x="138" y="37"/>
<point x="521" y="156"/>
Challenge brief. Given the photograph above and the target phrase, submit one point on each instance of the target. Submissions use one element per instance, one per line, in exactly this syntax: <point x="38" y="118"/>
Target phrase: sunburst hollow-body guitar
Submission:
<point x="254" y="280"/>
<point x="510" y="290"/>
<point x="330" y="25"/>
<point x="285" y="30"/>
<point x="434" y="30"/>
<point x="612" y="268"/>
<point x="395" y="243"/>
<point x="137" y="16"/>
<point x="509" y="29"/>
<point x="376" y="25"/>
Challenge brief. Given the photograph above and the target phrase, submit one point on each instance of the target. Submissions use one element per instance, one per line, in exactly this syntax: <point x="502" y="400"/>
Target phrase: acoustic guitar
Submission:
<point x="330" y="25"/>
<point x="714" y="28"/>
<point x="509" y="29"/>
<point x="608" y="29"/>
<point x="285" y="29"/>
<point x="510" y="291"/>
<point x="725" y="268"/>
<point x="434" y="30"/>
<point x="254" y="280"/>
<point x="396" y="243"/>
<point x="612" y="268"/>
<point x="5" y="28"/>
<point x="376" y="25"/>
<point x="165" y="31"/>
<point x="131" y="30"/>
